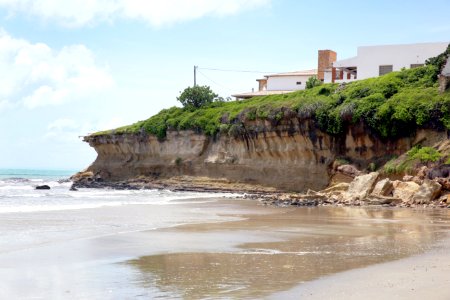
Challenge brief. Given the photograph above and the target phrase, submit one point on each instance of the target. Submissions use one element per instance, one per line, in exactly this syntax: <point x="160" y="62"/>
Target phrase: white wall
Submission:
<point x="400" y="56"/>
<point x="327" y="76"/>
<point x="286" y="83"/>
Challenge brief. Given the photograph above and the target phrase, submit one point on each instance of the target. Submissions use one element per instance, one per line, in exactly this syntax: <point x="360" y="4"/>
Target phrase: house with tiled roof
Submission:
<point x="282" y="83"/>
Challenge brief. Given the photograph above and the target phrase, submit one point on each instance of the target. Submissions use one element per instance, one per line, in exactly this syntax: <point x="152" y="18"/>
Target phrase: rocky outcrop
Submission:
<point x="349" y="170"/>
<point x="361" y="186"/>
<point x="383" y="188"/>
<point x="291" y="155"/>
<point x="357" y="193"/>
<point x="405" y="190"/>
<point x="427" y="192"/>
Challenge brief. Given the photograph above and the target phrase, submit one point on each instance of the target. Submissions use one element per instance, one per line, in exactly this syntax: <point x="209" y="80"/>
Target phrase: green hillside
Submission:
<point x="391" y="105"/>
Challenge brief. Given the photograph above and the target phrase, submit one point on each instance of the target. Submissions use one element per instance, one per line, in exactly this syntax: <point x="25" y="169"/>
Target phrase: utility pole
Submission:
<point x="195" y="75"/>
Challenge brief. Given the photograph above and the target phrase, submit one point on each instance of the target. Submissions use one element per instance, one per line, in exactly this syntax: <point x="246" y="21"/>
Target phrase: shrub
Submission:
<point x="198" y="96"/>
<point x="313" y="81"/>
<point x="372" y="167"/>
<point x="424" y="154"/>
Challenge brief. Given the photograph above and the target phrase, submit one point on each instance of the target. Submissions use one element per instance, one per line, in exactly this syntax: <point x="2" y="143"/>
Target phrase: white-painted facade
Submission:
<point x="370" y="60"/>
<point x="280" y="83"/>
<point x="287" y="83"/>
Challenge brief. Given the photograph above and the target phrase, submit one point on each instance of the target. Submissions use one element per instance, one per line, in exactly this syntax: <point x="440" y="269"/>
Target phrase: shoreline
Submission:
<point x="265" y="195"/>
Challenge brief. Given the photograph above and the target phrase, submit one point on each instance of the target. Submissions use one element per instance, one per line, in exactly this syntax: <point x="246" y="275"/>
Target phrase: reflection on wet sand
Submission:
<point x="307" y="243"/>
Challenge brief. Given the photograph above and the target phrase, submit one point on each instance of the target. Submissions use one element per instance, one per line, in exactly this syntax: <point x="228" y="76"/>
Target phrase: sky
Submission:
<point x="72" y="67"/>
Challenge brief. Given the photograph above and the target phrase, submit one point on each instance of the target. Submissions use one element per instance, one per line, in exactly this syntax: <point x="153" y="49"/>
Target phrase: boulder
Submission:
<point x="383" y="188"/>
<point x="422" y="173"/>
<point x="339" y="187"/>
<point x="43" y="187"/>
<point x="408" y="178"/>
<point x="349" y="170"/>
<point x="382" y="200"/>
<point x="417" y="180"/>
<point x="82" y="176"/>
<point x="427" y="192"/>
<point x="361" y="186"/>
<point x="405" y="190"/>
<point x="442" y="171"/>
<point x="444" y="182"/>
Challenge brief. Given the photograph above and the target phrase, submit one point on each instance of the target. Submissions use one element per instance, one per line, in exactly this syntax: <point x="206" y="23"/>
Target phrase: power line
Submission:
<point x="236" y="71"/>
<point x="213" y="81"/>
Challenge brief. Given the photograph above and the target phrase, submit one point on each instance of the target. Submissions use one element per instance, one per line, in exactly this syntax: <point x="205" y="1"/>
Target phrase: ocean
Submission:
<point x="35" y="174"/>
<point x="18" y="193"/>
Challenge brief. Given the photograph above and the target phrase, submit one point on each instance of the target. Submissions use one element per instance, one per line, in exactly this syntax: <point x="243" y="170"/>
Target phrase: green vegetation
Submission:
<point x="406" y="163"/>
<point x="197" y="96"/>
<point x="391" y="105"/>
<point x="372" y="167"/>
<point x="439" y="60"/>
<point x="424" y="154"/>
<point x="313" y="81"/>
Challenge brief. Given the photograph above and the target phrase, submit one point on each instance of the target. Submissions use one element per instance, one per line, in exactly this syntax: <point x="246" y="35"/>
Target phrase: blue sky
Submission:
<point x="73" y="67"/>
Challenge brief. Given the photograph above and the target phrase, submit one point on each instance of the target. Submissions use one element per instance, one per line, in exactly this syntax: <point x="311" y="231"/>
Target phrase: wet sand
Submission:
<point x="304" y="244"/>
<point x="424" y="276"/>
<point x="228" y="249"/>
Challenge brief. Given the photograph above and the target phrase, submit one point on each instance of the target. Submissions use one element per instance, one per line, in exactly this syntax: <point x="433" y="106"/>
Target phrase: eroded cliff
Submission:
<point x="291" y="155"/>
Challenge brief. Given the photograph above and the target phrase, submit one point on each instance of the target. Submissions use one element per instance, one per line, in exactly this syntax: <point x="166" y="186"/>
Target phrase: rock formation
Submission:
<point x="293" y="155"/>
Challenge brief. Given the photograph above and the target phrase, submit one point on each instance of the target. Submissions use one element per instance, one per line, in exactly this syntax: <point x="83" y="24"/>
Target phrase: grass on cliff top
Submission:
<point x="391" y="105"/>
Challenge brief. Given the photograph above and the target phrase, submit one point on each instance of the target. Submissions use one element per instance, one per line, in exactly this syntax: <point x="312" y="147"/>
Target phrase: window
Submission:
<point x="299" y="82"/>
<point x="416" y="66"/>
<point x="385" y="69"/>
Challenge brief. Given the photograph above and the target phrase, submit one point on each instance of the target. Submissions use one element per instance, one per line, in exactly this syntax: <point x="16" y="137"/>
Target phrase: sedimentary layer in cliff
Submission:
<point x="293" y="155"/>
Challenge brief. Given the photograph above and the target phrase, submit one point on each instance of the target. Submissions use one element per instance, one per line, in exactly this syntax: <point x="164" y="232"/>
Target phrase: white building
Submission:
<point x="374" y="61"/>
<point x="280" y="83"/>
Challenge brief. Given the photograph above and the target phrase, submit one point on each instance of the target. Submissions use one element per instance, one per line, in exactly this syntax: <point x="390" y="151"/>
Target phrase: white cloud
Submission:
<point x="4" y="104"/>
<point x="36" y="75"/>
<point x="69" y="130"/>
<point x="65" y="126"/>
<point x="155" y="12"/>
<point x="62" y="124"/>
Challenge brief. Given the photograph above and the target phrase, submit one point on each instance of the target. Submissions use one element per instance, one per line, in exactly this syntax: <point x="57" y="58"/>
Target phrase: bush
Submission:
<point x="424" y="154"/>
<point x="313" y="81"/>
<point x="198" y="96"/>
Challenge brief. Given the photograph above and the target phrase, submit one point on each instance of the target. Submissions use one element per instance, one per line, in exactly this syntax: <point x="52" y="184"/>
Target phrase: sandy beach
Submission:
<point x="225" y="249"/>
<point x="424" y="276"/>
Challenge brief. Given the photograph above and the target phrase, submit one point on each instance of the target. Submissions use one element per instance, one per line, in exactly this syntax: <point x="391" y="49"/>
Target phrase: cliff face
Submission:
<point x="293" y="155"/>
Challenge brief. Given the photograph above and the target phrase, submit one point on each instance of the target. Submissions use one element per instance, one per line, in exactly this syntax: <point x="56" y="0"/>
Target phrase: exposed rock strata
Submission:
<point x="290" y="156"/>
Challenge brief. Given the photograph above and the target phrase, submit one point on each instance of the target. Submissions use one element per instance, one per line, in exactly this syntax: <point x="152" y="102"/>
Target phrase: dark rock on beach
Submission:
<point x="42" y="187"/>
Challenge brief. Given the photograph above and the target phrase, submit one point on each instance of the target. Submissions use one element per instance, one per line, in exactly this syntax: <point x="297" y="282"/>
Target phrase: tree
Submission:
<point x="312" y="82"/>
<point x="197" y="96"/>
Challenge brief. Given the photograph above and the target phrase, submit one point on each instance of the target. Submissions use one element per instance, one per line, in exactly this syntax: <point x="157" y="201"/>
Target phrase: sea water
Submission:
<point x="31" y="217"/>
<point x="18" y="193"/>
